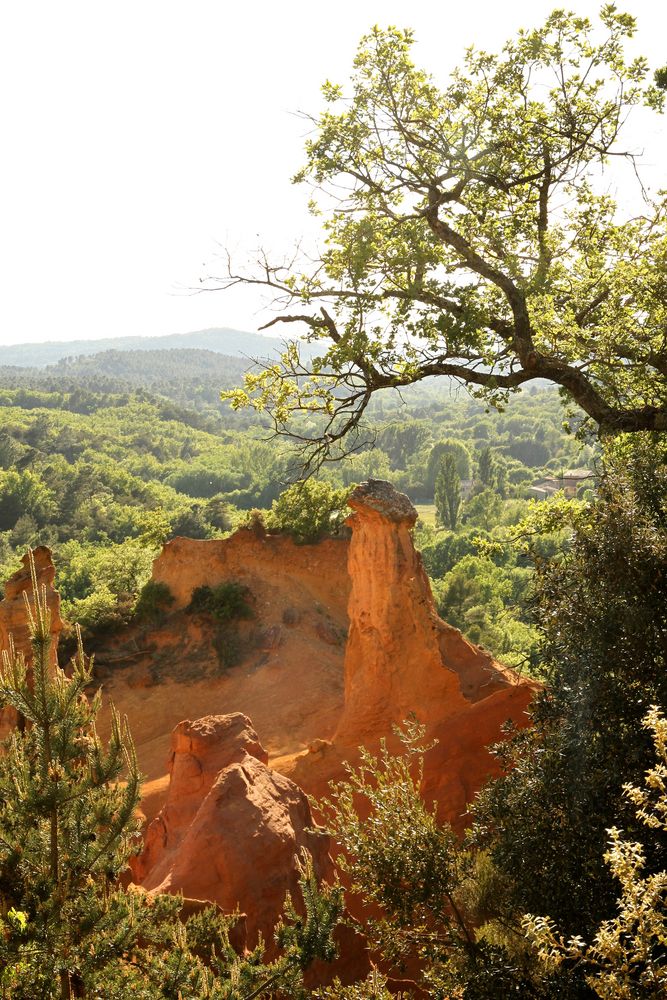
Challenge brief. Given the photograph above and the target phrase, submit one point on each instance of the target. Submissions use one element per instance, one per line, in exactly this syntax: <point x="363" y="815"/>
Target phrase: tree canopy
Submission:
<point x="467" y="234"/>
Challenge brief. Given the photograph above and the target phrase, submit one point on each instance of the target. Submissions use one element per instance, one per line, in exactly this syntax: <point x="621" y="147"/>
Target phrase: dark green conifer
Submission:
<point x="66" y="819"/>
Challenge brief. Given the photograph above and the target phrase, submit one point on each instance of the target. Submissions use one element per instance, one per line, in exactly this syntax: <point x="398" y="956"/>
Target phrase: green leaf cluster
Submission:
<point x="309" y="511"/>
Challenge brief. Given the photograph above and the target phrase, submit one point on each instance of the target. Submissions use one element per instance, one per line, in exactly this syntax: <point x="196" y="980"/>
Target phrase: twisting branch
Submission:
<point x="448" y="253"/>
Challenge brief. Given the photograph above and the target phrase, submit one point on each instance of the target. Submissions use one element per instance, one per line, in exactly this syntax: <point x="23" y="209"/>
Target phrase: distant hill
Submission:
<point x="234" y="343"/>
<point x="152" y="367"/>
<point x="189" y="378"/>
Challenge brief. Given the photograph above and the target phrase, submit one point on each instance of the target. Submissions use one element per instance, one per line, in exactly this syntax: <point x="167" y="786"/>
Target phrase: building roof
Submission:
<point x="576" y="474"/>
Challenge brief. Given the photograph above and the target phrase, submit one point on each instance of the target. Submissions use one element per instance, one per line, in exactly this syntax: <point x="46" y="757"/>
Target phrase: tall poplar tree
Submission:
<point x="486" y="466"/>
<point x="447" y="493"/>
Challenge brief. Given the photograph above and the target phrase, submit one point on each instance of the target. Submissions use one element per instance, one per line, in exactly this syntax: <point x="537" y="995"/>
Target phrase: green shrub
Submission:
<point x="98" y="611"/>
<point x="255" y="521"/>
<point x="308" y="510"/>
<point x="227" y="602"/>
<point x="153" y="601"/>
<point x="227" y="645"/>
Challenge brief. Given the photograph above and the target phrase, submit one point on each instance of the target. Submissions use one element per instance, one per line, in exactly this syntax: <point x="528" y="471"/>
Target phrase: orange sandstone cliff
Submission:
<point x="231" y="830"/>
<point x="402" y="660"/>
<point x="14" y="619"/>
<point x="344" y="643"/>
<point x="289" y="677"/>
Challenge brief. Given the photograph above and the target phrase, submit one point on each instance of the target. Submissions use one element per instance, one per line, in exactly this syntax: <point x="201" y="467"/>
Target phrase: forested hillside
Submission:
<point x="185" y="376"/>
<point x="106" y="456"/>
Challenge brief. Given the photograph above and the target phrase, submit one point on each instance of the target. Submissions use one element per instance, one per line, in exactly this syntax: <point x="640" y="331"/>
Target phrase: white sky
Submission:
<point x="137" y="134"/>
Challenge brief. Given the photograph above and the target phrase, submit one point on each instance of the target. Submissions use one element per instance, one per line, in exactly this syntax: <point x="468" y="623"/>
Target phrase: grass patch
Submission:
<point x="426" y="512"/>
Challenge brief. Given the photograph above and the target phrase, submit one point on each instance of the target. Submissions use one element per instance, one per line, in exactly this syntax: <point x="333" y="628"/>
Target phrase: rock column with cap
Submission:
<point x="401" y="658"/>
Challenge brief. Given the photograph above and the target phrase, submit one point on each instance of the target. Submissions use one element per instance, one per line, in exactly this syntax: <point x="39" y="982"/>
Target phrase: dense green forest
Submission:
<point x="105" y="457"/>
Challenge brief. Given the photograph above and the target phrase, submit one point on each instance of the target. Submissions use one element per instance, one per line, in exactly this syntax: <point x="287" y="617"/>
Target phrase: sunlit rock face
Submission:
<point x="288" y="672"/>
<point x="231" y="830"/>
<point x="260" y="560"/>
<point x="14" y="615"/>
<point x="403" y="661"/>
<point x="315" y="695"/>
<point x="400" y="657"/>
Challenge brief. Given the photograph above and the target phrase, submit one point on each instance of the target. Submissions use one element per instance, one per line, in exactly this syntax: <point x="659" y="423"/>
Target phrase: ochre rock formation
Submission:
<point x="14" y="618"/>
<point x="289" y="678"/>
<point x="402" y="660"/>
<point x="297" y="679"/>
<point x="231" y="830"/>
<point x="261" y="561"/>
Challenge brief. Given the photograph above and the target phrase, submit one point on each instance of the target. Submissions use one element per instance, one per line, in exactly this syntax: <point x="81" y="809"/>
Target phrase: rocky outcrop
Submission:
<point x="402" y="660"/>
<point x="14" y="617"/>
<point x="231" y="831"/>
<point x="288" y="677"/>
<point x="303" y="685"/>
<point x="259" y="561"/>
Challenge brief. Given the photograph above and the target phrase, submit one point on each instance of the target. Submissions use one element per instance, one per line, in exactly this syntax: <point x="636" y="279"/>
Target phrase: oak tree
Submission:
<point x="469" y="233"/>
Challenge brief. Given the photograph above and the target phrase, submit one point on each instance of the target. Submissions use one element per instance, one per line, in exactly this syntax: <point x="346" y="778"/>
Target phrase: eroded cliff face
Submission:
<point x="401" y="658"/>
<point x="229" y="818"/>
<point x="231" y="830"/>
<point x="14" y="619"/>
<point x="274" y="568"/>
<point x="289" y="674"/>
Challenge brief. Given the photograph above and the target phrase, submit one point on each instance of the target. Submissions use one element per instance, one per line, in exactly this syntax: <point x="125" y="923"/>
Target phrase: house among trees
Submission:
<point x="467" y="486"/>
<point x="569" y="482"/>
